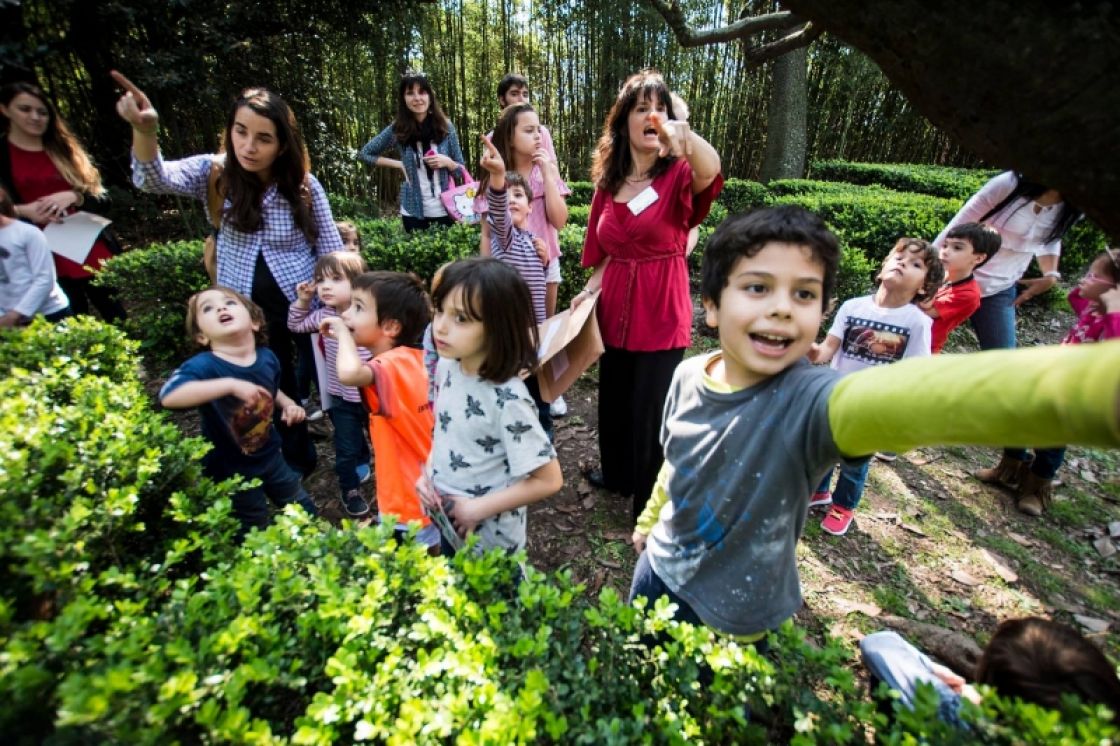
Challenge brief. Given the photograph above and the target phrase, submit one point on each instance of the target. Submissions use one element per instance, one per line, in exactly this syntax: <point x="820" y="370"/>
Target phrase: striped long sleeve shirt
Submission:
<point x="514" y="246"/>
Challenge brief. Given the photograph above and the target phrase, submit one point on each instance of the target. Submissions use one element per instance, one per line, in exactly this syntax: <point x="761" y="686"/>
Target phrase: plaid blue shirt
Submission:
<point x="289" y="256"/>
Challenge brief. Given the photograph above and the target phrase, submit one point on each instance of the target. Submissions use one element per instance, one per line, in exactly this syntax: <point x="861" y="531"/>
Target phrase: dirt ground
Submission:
<point x="930" y="544"/>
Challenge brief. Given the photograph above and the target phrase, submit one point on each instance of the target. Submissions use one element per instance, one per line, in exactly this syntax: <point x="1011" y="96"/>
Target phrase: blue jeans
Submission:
<point x="849" y="487"/>
<point x="350" y="447"/>
<point x="1046" y="462"/>
<point x="994" y="320"/>
<point x="280" y="484"/>
<point x="901" y="666"/>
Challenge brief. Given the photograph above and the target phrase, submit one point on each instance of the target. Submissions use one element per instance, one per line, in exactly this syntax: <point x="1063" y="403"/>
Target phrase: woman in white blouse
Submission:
<point x="1031" y="219"/>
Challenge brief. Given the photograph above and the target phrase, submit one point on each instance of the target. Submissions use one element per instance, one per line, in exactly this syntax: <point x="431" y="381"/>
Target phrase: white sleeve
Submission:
<point x="40" y="264"/>
<point x="990" y="195"/>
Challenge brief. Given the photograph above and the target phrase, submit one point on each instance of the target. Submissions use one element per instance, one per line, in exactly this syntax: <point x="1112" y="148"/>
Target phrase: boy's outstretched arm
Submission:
<point x="197" y="393"/>
<point x="1038" y="397"/>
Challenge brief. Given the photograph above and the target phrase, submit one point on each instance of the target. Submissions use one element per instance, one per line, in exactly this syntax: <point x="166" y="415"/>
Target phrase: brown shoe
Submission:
<point x="1005" y="473"/>
<point x="1033" y="495"/>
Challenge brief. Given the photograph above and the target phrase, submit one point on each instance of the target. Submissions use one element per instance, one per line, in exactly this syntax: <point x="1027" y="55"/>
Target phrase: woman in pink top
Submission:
<point x="655" y="180"/>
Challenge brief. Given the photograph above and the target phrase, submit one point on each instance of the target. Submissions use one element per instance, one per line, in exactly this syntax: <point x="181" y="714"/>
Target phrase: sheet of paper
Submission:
<point x="551" y="328"/>
<point x="73" y="238"/>
<point x="559" y="364"/>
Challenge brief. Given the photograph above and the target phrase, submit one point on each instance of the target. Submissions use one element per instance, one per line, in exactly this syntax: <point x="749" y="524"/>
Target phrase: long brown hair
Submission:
<point x="502" y="139"/>
<point x="1039" y="660"/>
<point x="289" y="171"/>
<point x="612" y="161"/>
<point x="408" y="131"/>
<point x="61" y="145"/>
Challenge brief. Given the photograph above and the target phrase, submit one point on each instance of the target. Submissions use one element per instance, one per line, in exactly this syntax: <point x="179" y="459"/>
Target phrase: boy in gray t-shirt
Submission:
<point x="749" y="430"/>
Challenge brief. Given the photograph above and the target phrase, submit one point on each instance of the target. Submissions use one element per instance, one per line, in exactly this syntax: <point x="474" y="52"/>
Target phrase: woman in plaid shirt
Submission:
<point x="275" y="217"/>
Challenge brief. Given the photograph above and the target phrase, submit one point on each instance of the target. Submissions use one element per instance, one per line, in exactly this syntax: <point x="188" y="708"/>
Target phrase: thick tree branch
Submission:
<point x="744" y="27"/>
<point x="800" y="38"/>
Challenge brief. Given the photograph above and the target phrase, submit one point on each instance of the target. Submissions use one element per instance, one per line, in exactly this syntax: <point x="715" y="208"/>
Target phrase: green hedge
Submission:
<point x="127" y="615"/>
<point x="102" y="510"/>
<point x="939" y="181"/>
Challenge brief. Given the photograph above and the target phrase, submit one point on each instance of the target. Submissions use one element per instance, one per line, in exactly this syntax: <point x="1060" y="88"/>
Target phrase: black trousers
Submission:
<point x="632" y="391"/>
<point x="422" y="224"/>
<point x="81" y="292"/>
<point x="298" y="449"/>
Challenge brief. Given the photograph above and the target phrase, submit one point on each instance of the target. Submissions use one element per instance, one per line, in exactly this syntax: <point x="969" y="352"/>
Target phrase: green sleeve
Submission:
<point x="1042" y="396"/>
<point x="660" y="495"/>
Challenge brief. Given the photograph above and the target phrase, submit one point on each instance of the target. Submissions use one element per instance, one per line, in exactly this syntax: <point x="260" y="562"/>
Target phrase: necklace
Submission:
<point x="639" y="179"/>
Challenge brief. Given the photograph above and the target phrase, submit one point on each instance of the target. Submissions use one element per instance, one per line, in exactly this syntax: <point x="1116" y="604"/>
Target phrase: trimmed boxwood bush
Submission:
<point x="102" y="509"/>
<point x="938" y="181"/>
<point x="740" y="195"/>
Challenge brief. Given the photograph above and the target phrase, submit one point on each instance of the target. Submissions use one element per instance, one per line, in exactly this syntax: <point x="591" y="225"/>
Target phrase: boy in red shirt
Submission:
<point x="387" y="313"/>
<point x="966" y="247"/>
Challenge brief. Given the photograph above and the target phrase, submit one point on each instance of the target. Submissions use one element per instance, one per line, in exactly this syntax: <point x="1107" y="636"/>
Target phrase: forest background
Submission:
<point x="338" y="65"/>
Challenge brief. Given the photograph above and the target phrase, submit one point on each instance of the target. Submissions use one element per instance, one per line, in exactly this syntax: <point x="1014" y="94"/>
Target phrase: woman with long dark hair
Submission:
<point x="49" y="175"/>
<point x="655" y="180"/>
<point x="275" y="219"/>
<point x="429" y="150"/>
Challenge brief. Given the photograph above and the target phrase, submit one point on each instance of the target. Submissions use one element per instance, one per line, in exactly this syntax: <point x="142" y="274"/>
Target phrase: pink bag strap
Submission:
<point x="463" y="174"/>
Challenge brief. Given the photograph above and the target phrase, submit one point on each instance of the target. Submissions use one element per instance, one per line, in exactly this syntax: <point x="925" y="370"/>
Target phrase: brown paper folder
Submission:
<point x="569" y="344"/>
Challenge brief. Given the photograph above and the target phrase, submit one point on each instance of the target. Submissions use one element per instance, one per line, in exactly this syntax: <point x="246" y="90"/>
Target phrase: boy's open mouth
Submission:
<point x="771" y="341"/>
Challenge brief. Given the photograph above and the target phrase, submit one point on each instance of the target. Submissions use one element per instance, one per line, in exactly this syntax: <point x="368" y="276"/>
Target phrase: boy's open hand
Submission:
<point x="134" y="106"/>
<point x="293" y="414"/>
<point x="542" y="249"/>
<point x="491" y="159"/>
<point x="305" y="291"/>
<point x="674" y="135"/>
<point x="246" y="391"/>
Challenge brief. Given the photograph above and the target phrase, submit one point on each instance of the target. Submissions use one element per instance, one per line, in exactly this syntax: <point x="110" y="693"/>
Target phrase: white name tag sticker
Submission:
<point x="644" y="199"/>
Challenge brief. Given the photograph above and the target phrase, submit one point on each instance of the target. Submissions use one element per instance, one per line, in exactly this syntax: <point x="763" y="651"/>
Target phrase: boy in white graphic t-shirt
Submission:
<point x="871" y="330"/>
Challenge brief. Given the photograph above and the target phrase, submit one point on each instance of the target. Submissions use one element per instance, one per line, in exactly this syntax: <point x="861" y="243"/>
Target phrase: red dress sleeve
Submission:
<point x="695" y="207"/>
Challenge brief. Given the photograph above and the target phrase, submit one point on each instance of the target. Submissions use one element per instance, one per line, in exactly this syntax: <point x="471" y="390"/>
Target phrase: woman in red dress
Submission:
<point x="655" y="180"/>
<point x="48" y="174"/>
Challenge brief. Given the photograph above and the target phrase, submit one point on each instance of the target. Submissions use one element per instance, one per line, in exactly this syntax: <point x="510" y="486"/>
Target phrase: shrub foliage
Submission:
<point x="128" y="616"/>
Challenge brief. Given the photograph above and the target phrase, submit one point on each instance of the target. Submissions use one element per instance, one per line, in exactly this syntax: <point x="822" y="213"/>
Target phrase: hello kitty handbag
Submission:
<point x="459" y="200"/>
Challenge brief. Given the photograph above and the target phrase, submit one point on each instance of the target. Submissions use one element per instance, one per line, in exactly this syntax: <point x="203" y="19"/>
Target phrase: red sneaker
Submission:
<point x="820" y="500"/>
<point x="838" y="521"/>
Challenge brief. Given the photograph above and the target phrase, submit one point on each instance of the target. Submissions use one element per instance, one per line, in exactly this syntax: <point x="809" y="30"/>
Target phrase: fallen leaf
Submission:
<point x="589" y="502"/>
<point x="921" y="459"/>
<point x="1092" y="623"/>
<point x="1105" y="547"/>
<point x="851" y="607"/>
<point x="999" y="564"/>
<point x="1020" y="539"/>
<point x="583" y="489"/>
<point x="1089" y="476"/>
<point x="608" y="563"/>
<point x="567" y="508"/>
<point x="913" y="529"/>
<point x="565" y="528"/>
<point x="964" y="578"/>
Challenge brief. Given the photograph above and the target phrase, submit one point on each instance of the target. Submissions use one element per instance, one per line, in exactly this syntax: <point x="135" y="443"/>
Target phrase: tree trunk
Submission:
<point x="786" y="138"/>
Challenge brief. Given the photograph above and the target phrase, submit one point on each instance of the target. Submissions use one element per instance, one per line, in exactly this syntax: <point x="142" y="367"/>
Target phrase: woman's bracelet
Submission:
<point x="150" y="133"/>
<point x="1053" y="273"/>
